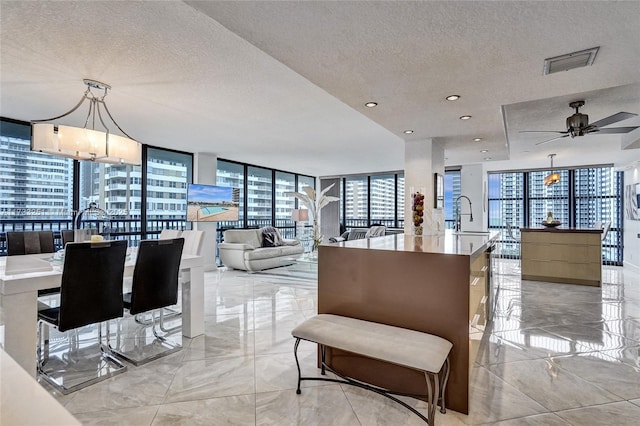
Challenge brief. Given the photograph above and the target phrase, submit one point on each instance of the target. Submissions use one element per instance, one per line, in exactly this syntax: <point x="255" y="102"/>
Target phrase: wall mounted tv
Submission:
<point x="209" y="203"/>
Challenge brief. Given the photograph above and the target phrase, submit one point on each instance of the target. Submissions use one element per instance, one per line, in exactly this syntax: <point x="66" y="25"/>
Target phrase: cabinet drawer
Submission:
<point x="560" y="238"/>
<point x="577" y="253"/>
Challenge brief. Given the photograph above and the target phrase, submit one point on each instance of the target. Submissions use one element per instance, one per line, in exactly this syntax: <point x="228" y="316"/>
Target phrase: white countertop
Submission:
<point x="464" y="243"/>
<point x="24" y="402"/>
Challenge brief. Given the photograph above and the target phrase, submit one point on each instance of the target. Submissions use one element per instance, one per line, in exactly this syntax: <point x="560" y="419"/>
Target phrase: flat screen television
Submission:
<point x="210" y="203"/>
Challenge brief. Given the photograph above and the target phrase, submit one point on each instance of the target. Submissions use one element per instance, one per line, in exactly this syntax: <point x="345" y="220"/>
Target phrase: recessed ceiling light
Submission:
<point x="484" y="150"/>
<point x="477" y="139"/>
<point x="465" y="117"/>
<point x="408" y="132"/>
<point x="371" y="104"/>
<point x="487" y="158"/>
<point x="452" y="97"/>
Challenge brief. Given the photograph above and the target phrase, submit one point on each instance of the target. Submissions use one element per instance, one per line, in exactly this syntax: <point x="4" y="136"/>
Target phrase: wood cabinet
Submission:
<point x="572" y="256"/>
<point x="435" y="284"/>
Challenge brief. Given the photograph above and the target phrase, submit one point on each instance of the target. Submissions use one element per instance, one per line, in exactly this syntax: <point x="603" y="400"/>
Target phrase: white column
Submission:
<point x="205" y="168"/>
<point x="423" y="158"/>
<point x="473" y="185"/>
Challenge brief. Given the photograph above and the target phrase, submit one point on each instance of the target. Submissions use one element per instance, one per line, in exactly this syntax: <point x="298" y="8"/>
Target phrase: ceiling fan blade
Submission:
<point x="551" y="140"/>
<point x="613" y="130"/>
<point x="542" y="131"/>
<point x="613" y="119"/>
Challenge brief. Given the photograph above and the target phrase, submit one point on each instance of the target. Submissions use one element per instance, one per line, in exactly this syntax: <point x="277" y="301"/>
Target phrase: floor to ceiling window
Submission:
<point x="262" y="196"/>
<point x="43" y="191"/>
<point x="372" y="199"/>
<point x="583" y="197"/>
<point x="356" y="195"/>
<point x="36" y="190"/>
<point x="451" y="193"/>
<point x="284" y="204"/>
<point x="168" y="176"/>
<point x="382" y="200"/>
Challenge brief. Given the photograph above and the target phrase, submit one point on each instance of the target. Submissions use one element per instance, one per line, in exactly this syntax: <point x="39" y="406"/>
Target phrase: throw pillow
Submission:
<point x="271" y="237"/>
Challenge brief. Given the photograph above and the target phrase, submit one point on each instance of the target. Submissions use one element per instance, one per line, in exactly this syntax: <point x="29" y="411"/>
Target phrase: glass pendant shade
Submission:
<point x="551" y="179"/>
<point x="86" y="144"/>
<point x="554" y="177"/>
<point x="121" y="150"/>
<point x="83" y="143"/>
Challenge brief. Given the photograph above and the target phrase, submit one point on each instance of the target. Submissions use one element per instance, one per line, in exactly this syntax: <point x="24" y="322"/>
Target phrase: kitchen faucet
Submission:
<point x="459" y="213"/>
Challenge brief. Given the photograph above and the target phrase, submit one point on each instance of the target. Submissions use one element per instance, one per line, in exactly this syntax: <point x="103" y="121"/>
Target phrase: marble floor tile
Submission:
<point x="537" y="420"/>
<point x="605" y="372"/>
<point x="629" y="356"/>
<point x="590" y="338"/>
<point x="269" y="319"/>
<point x="280" y="340"/>
<point x="279" y="372"/>
<point x="238" y="322"/>
<point x="492" y="399"/>
<point x="321" y="406"/>
<point x="220" y="342"/>
<point x="142" y="415"/>
<point x="539" y="360"/>
<point x="629" y="328"/>
<point x="211" y="378"/>
<point x="230" y="410"/>
<point x="618" y="414"/>
<point x="496" y="350"/>
<point x="551" y="386"/>
<point x="374" y="409"/>
<point x="144" y="385"/>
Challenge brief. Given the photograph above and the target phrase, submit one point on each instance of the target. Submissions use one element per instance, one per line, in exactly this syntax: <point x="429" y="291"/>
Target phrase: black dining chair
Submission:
<point x="90" y="293"/>
<point x="154" y="287"/>
<point x="29" y="242"/>
<point x="67" y="236"/>
<point x="32" y="242"/>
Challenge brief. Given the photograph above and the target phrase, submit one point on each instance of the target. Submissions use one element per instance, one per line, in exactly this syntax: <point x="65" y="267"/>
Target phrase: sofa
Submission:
<point x="245" y="249"/>
<point x="360" y="233"/>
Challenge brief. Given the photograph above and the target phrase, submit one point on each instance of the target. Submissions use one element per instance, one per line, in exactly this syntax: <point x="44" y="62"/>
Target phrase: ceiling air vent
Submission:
<point x="570" y="61"/>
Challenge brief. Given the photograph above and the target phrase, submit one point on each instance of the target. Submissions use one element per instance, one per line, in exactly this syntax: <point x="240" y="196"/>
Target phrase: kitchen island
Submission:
<point x="562" y="255"/>
<point x="437" y="284"/>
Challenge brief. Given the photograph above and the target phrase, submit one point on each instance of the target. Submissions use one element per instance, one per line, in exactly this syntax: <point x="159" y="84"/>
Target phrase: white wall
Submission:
<point x="631" y="237"/>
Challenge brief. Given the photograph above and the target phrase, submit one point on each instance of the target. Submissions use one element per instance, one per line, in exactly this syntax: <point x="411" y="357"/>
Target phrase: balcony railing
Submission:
<point x="118" y="229"/>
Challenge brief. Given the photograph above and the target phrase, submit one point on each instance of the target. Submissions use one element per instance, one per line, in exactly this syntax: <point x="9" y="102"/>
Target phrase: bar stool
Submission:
<point x="154" y="287"/>
<point x="90" y="293"/>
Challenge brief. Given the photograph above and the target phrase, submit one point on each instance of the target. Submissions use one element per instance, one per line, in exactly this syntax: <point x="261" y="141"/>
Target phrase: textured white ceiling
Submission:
<point x="282" y="84"/>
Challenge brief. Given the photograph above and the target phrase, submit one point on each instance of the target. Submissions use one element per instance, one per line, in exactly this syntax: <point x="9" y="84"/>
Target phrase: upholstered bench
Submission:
<point x="408" y="348"/>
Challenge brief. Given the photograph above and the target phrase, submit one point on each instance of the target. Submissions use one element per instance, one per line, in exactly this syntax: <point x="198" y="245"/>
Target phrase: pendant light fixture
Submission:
<point x="554" y="177"/>
<point x="86" y="143"/>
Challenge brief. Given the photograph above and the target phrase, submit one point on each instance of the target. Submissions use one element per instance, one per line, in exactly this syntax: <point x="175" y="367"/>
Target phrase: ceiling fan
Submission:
<point x="578" y="124"/>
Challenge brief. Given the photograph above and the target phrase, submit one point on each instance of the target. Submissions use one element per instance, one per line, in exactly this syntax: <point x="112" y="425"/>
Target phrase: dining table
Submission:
<point x="22" y="276"/>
